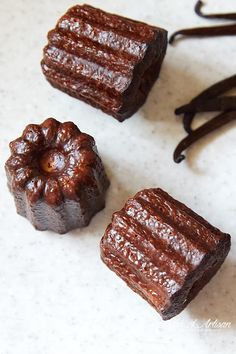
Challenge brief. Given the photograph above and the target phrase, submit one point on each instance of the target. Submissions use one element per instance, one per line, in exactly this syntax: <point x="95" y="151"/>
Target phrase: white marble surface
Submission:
<point x="56" y="296"/>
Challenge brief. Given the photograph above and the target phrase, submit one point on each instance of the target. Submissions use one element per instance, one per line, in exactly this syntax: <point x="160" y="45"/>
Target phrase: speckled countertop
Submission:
<point x="56" y="297"/>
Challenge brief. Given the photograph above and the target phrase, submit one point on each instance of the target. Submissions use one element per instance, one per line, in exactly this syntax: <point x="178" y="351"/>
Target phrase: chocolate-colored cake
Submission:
<point x="106" y="60"/>
<point x="56" y="176"/>
<point x="163" y="250"/>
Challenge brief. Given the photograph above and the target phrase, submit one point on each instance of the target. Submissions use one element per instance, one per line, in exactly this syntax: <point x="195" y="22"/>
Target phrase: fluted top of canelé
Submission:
<point x="52" y="161"/>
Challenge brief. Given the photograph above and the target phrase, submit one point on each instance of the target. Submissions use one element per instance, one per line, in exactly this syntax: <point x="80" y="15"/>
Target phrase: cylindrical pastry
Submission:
<point x="163" y="250"/>
<point x="106" y="60"/>
<point x="56" y="176"/>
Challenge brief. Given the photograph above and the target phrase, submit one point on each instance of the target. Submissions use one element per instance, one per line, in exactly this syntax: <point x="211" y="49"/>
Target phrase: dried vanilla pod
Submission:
<point x="208" y="100"/>
<point x="223" y="16"/>
<point x="201" y="32"/>
<point x="209" y="93"/>
<point x="199" y="133"/>
<point x="212" y="31"/>
<point x="222" y="103"/>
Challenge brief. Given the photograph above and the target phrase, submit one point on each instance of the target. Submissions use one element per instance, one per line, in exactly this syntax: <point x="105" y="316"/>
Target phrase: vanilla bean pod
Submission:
<point x="224" y="30"/>
<point x="213" y="91"/>
<point x="207" y="128"/>
<point x="223" y="103"/>
<point x="198" y="10"/>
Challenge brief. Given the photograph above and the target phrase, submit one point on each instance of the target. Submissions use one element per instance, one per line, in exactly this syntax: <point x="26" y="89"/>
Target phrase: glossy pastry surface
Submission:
<point x="106" y="60"/>
<point x="56" y="176"/>
<point x="163" y="250"/>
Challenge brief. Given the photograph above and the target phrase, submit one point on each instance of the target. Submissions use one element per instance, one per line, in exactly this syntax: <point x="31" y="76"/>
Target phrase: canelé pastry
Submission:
<point x="108" y="61"/>
<point x="163" y="250"/>
<point x="56" y="176"/>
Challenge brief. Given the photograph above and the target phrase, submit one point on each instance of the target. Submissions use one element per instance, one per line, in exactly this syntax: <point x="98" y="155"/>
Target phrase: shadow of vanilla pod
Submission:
<point x="105" y="60"/>
<point x="213" y="31"/>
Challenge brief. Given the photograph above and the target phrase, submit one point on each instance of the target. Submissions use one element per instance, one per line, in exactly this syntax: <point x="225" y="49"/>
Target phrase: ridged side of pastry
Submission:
<point x="68" y="215"/>
<point x="104" y="59"/>
<point x="56" y="176"/>
<point x="163" y="250"/>
<point x="60" y="219"/>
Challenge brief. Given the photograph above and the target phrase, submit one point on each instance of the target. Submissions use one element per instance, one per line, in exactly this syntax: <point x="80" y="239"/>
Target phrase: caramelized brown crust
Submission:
<point x="163" y="250"/>
<point x="56" y="176"/>
<point x="106" y="60"/>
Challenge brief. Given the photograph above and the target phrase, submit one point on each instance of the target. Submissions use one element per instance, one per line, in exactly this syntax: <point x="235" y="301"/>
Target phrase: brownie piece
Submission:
<point x="163" y="250"/>
<point x="108" y="61"/>
<point x="56" y="176"/>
